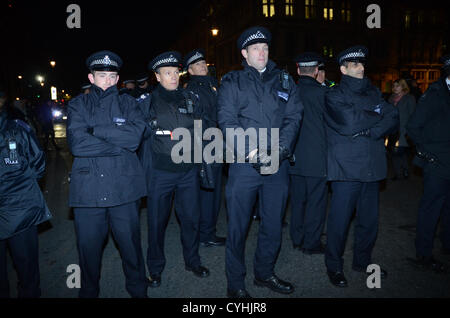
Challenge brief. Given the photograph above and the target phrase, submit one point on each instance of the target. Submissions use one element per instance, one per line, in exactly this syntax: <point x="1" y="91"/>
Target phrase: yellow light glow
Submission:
<point x="52" y="63"/>
<point x="19" y="77"/>
<point x="215" y="31"/>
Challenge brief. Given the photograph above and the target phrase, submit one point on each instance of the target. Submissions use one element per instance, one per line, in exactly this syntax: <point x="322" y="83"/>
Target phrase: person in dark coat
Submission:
<point x="205" y="87"/>
<point x="259" y="96"/>
<point x="428" y="127"/>
<point x="357" y="119"/>
<point x="22" y="205"/>
<point x="308" y="188"/>
<point x="167" y="108"/>
<point x="405" y="103"/>
<point x="107" y="180"/>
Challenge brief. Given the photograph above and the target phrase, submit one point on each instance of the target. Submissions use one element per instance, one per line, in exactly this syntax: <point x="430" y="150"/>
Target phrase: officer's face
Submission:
<point x="353" y="69"/>
<point x="104" y="79"/>
<point x="199" y="68"/>
<point x="257" y="55"/>
<point x="168" y="77"/>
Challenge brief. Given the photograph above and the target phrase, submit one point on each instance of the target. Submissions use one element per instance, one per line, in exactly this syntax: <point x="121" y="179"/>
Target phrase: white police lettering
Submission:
<point x="199" y="308"/>
<point x="170" y="59"/>
<point x="352" y="55"/>
<point x="257" y="35"/>
<point x="283" y="95"/>
<point x="105" y="61"/>
<point x="306" y="64"/>
<point x="197" y="55"/>
<point x="11" y="162"/>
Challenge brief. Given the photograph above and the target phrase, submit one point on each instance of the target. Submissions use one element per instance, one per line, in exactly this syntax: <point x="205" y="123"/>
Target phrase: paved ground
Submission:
<point x="399" y="201"/>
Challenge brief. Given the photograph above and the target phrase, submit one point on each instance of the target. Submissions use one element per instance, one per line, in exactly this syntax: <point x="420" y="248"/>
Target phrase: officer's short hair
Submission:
<point x="307" y="69"/>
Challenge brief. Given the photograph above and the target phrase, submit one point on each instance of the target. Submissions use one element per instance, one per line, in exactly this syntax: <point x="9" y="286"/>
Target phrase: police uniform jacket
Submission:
<point x="429" y="128"/>
<point x="248" y="99"/>
<point x="311" y="147"/>
<point x="22" y="204"/>
<point x="164" y="111"/>
<point x="351" y="108"/>
<point x="104" y="130"/>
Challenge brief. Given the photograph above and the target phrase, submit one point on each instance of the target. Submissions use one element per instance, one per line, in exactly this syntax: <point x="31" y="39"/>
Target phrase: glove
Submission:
<point x="90" y="130"/>
<point x="263" y="160"/>
<point x="365" y="133"/>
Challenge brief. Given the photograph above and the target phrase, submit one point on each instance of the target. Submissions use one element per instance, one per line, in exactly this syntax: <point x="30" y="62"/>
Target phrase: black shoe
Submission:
<point x="154" y="280"/>
<point x="276" y="284"/>
<point x="383" y="272"/>
<point x="337" y="279"/>
<point x="429" y="263"/>
<point x="297" y="247"/>
<point x="199" y="271"/>
<point x="216" y="241"/>
<point x="317" y="250"/>
<point x="240" y="293"/>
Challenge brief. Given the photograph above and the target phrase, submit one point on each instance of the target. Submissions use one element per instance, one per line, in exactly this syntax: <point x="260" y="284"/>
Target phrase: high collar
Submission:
<point x="251" y="70"/>
<point x="303" y="79"/>
<point x="169" y="96"/>
<point x="204" y="79"/>
<point x="354" y="84"/>
<point x="97" y="92"/>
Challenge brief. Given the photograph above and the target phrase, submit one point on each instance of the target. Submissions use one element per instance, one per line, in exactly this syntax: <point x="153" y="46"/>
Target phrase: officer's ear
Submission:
<point x="316" y="71"/>
<point x="298" y="71"/>
<point x="190" y="70"/>
<point x="244" y="53"/>
<point x="158" y="77"/>
<point x="343" y="69"/>
<point x="91" y="77"/>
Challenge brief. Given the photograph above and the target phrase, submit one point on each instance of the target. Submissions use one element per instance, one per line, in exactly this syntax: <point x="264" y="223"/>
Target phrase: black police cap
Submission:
<point x="142" y="78"/>
<point x="357" y="53"/>
<point x="86" y="86"/>
<point x="445" y="60"/>
<point x="171" y="58"/>
<point x="193" y="57"/>
<point x="254" y="35"/>
<point x="104" y="61"/>
<point x="307" y="59"/>
<point x="128" y="81"/>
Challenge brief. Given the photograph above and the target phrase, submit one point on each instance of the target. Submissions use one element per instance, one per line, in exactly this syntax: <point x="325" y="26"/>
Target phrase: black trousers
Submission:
<point x="243" y="187"/>
<point x="346" y="197"/>
<point x="210" y="206"/>
<point x="92" y="227"/>
<point x="308" y="210"/>
<point x="25" y="255"/>
<point x="435" y="204"/>
<point x="184" y="187"/>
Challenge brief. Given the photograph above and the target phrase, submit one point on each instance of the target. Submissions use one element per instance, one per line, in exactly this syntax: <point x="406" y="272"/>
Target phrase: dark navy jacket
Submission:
<point x="248" y="99"/>
<point x="429" y="127"/>
<point x="311" y="148"/>
<point x="22" y="204"/>
<point x="350" y="108"/>
<point x="106" y="171"/>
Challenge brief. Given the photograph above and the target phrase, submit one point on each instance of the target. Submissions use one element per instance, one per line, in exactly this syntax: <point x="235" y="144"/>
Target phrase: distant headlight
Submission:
<point x="57" y="113"/>
<point x="65" y="117"/>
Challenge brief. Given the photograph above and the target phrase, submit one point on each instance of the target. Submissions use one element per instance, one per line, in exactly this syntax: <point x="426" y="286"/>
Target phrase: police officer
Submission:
<point x="22" y="205"/>
<point x="357" y="120"/>
<point x="143" y="85"/>
<point x="107" y="181"/>
<point x="167" y="108"/>
<point x="86" y="88"/>
<point x="308" y="176"/>
<point x="129" y="88"/>
<point x="428" y="128"/>
<point x="321" y="75"/>
<point x="259" y="96"/>
<point x="206" y="89"/>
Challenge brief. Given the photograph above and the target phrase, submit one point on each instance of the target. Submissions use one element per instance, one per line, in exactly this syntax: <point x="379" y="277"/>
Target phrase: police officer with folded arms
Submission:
<point x="308" y="188"/>
<point x="169" y="107"/>
<point x="107" y="181"/>
<point x="22" y="205"/>
<point x="357" y="119"/>
<point x="205" y="87"/>
<point x="428" y="127"/>
<point x="259" y="96"/>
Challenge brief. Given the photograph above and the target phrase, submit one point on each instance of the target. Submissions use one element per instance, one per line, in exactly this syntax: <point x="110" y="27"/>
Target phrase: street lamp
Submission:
<point x="214" y="31"/>
<point x="19" y="77"/>
<point x="52" y="63"/>
<point x="39" y="78"/>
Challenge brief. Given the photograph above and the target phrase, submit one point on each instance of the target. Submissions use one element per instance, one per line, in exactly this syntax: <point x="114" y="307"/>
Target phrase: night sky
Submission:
<point x="33" y="33"/>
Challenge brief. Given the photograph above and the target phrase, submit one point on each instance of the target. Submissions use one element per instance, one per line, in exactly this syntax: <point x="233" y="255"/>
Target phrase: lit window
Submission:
<point x="328" y="10"/>
<point x="289" y="8"/>
<point x="310" y="9"/>
<point x="345" y="11"/>
<point x="268" y="7"/>
<point x="407" y="20"/>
